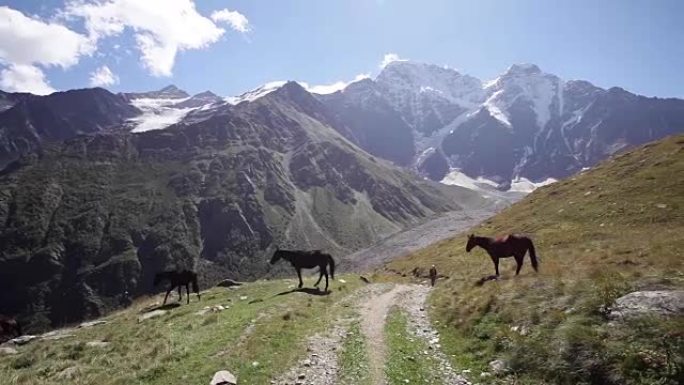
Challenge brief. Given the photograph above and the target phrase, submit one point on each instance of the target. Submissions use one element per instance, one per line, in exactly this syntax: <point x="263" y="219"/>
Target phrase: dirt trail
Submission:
<point x="373" y="303"/>
<point x="373" y="316"/>
<point x="413" y="303"/>
<point x="320" y="365"/>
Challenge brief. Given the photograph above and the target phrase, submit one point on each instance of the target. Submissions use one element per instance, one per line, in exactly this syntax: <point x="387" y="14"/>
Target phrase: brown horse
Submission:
<point x="504" y="247"/>
<point x="307" y="260"/>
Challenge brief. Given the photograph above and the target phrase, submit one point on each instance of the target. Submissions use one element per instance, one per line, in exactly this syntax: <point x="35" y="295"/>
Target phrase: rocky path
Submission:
<point x="373" y="316"/>
<point x="320" y="366"/>
<point x="413" y="302"/>
<point x="372" y="304"/>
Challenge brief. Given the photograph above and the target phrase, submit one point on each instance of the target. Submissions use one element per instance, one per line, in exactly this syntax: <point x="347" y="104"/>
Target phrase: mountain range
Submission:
<point x="98" y="191"/>
<point x="525" y="125"/>
<point x="88" y="221"/>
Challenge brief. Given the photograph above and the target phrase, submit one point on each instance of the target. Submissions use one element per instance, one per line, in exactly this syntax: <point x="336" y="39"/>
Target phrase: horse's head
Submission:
<point x="276" y="256"/>
<point x="471" y="243"/>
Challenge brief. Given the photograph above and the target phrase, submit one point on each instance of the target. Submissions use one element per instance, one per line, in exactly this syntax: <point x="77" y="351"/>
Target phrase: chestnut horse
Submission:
<point x="504" y="247"/>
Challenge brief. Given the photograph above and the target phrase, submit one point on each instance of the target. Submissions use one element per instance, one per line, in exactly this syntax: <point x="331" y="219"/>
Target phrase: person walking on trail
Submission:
<point x="433" y="275"/>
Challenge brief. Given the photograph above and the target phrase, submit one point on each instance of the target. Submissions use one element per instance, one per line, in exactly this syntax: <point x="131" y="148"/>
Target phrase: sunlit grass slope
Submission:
<point x="609" y="231"/>
<point x="260" y="335"/>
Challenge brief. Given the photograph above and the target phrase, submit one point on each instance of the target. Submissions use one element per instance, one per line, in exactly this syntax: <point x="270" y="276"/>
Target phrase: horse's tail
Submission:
<point x="533" y="257"/>
<point x="331" y="262"/>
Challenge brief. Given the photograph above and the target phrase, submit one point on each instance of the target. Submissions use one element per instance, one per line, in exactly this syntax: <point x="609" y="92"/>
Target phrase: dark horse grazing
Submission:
<point x="508" y="246"/>
<point x="307" y="260"/>
<point x="9" y="328"/>
<point x="178" y="279"/>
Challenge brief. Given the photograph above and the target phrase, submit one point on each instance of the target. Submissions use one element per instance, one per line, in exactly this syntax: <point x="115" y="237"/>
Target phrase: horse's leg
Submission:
<point x="180" y="294"/>
<point x="320" y="271"/>
<point x="496" y="265"/>
<point x="519" y="261"/>
<point x="299" y="274"/>
<point x="187" y="292"/>
<point x="325" y="271"/>
<point x="167" y="295"/>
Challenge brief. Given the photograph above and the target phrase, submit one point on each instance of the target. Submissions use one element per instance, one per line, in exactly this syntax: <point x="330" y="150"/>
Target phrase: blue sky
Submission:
<point x="638" y="45"/>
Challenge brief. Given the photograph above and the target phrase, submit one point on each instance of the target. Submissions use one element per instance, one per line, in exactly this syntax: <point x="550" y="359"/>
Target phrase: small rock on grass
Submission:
<point x="498" y="366"/>
<point x="223" y="377"/>
<point x="92" y="323"/>
<point x="97" y="344"/>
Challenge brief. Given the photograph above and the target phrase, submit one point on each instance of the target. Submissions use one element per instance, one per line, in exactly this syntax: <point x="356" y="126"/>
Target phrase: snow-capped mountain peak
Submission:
<point x="524" y="84"/>
<point x="523" y="69"/>
<point x="414" y="77"/>
<point x="256" y="93"/>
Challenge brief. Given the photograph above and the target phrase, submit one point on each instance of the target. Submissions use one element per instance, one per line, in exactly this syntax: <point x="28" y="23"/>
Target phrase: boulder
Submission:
<point x="660" y="303"/>
<point x="68" y="373"/>
<point x="223" y="377"/>
<point x="23" y="340"/>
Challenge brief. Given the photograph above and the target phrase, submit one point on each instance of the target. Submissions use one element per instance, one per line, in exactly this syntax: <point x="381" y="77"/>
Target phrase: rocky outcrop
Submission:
<point x="648" y="303"/>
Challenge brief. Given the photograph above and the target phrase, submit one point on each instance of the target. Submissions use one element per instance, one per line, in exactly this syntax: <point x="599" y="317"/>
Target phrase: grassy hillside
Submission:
<point x="609" y="231"/>
<point x="257" y="337"/>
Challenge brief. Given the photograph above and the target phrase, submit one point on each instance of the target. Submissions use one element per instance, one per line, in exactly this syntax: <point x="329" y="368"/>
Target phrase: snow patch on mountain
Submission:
<point x="497" y="108"/>
<point x="458" y="178"/>
<point x="485" y="187"/>
<point x="256" y="93"/>
<point x="158" y="113"/>
<point x="524" y="185"/>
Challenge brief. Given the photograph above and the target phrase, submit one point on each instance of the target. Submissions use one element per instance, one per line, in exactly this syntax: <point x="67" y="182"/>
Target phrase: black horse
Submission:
<point x="307" y="260"/>
<point x="178" y="279"/>
<point x="9" y="328"/>
<point x="508" y="246"/>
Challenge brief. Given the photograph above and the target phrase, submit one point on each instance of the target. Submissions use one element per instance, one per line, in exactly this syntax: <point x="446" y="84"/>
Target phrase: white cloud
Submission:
<point x="24" y="78"/>
<point x="26" y="43"/>
<point x="334" y="87"/>
<point x="388" y="58"/>
<point x="162" y="28"/>
<point x="235" y="19"/>
<point x="103" y="77"/>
